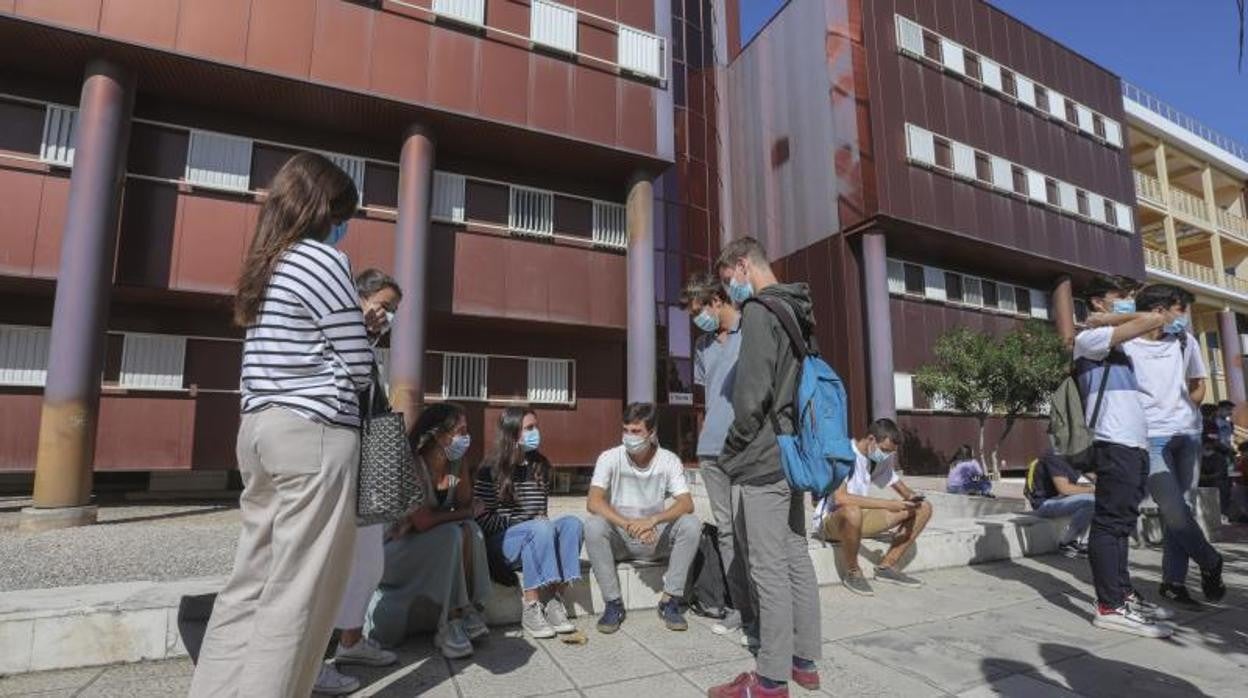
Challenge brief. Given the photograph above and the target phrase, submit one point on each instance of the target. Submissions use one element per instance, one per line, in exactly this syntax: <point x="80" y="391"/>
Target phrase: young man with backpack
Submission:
<point x="1119" y="452"/>
<point x="773" y="524"/>
<point x="1054" y="491"/>
<point x="1171" y="377"/>
<point x="714" y="367"/>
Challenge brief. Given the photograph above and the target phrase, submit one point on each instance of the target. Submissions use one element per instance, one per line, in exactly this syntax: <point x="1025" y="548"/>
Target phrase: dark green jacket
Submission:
<point x="766" y="375"/>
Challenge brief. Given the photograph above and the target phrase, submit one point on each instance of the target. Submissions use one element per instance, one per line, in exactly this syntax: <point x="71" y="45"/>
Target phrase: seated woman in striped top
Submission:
<point x="437" y="553"/>
<point x="512" y="495"/>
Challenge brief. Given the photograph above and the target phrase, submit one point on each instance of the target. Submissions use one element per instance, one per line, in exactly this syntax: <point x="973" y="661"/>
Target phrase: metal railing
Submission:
<point x="1148" y="187"/>
<point x="1155" y="105"/>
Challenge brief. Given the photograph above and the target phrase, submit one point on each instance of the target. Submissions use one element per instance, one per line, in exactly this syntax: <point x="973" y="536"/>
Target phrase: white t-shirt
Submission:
<point x="859" y="482"/>
<point x="1121" y="420"/>
<point x="634" y="491"/>
<point x="1162" y="374"/>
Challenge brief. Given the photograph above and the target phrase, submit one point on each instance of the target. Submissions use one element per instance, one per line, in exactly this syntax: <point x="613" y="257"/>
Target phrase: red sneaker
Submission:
<point x="808" y="680"/>
<point x="747" y="686"/>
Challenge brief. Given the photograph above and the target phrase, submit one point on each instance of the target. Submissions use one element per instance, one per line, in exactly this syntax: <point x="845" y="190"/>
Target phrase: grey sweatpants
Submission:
<point x="605" y="544"/>
<point x="773" y="533"/>
<point x="725" y="503"/>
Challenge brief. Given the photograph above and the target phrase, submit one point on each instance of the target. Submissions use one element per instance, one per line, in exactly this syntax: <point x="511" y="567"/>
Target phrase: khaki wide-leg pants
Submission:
<point x="272" y="620"/>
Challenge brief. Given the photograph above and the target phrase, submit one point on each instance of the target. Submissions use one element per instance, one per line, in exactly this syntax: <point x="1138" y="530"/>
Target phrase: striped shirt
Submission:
<point x="530" y="499"/>
<point x="307" y="349"/>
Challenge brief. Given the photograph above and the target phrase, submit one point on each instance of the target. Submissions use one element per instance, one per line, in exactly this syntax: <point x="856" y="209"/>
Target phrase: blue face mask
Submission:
<point x="1124" y="305"/>
<point x="877" y="456"/>
<point x="530" y="440"/>
<point x="337" y="233"/>
<point x="706" y="321"/>
<point x="459" y="446"/>
<point x="1177" y="326"/>
<point x="740" y="291"/>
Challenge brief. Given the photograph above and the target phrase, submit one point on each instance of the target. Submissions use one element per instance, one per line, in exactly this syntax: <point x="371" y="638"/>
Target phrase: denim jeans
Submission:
<point x="1121" y="474"/>
<point x="547" y="552"/>
<point x="1079" y="507"/>
<point x="1171" y="481"/>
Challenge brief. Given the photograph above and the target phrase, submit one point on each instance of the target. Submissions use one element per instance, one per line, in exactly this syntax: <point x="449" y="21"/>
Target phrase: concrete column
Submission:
<point x="66" y="456"/>
<point x="411" y="261"/>
<point x="1163" y="179"/>
<point x="642" y="347"/>
<point x="879" y="325"/>
<point x="1063" y="310"/>
<point x="1232" y="356"/>
<point x="1211" y="211"/>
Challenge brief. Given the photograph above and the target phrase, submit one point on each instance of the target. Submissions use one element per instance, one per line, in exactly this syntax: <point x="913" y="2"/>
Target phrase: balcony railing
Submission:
<point x="1187" y="204"/>
<point x="1237" y="284"/>
<point x="1173" y="115"/>
<point x="1148" y="187"/>
<point x="1156" y="259"/>
<point x="1198" y="272"/>
<point x="1233" y="224"/>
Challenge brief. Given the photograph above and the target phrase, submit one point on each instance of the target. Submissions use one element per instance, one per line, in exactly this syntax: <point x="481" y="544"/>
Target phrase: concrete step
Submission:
<point x="69" y="627"/>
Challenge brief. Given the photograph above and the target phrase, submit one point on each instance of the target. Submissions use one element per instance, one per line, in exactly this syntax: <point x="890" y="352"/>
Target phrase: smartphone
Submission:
<point x="918" y="498"/>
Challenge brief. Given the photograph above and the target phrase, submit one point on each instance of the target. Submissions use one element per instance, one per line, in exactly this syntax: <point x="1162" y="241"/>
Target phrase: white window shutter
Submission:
<point x="1026" y="90"/>
<point x="465" y="376"/>
<point x="466" y="11"/>
<point x="1113" y="133"/>
<point x="951" y="56"/>
<point x="353" y="166"/>
<point x="553" y="25"/>
<point x="218" y="161"/>
<point x="640" y="52"/>
<point x="1057" y="105"/>
<point x="903" y="391"/>
<point x="1005" y="298"/>
<point x="1123" y="213"/>
<point x="549" y="381"/>
<point x="909" y="35"/>
<point x="934" y="283"/>
<point x="532" y="211"/>
<point x="1039" y="304"/>
<point x="57" y="145"/>
<point x="1084" y="116"/>
<point x="1002" y="173"/>
<point x="448" y="197"/>
<point x="1067" y="198"/>
<point x="610" y="225"/>
<point x="896" y="277"/>
<point x="990" y="73"/>
<point x="1096" y="206"/>
<point x="1036" y="189"/>
<point x="920" y="146"/>
<point x="24" y="354"/>
<point x="153" y="362"/>
<point x="963" y="160"/>
<point x="972" y="291"/>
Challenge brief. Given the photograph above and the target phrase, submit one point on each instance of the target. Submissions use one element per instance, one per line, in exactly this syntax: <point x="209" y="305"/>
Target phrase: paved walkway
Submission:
<point x="1016" y="629"/>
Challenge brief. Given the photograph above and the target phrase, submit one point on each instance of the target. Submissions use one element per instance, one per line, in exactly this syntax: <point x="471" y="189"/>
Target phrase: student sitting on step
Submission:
<point x="630" y="519"/>
<point x="1054" y="491"/>
<point x="849" y="513"/>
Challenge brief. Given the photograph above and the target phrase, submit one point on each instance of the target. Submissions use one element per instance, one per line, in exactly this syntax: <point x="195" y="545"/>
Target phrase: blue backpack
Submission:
<point x="818" y="458"/>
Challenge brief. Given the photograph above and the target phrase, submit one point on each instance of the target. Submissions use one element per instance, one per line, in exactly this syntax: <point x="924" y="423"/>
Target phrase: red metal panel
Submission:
<point x="594" y="105"/>
<point x="343" y="43"/>
<point x="550" y="94"/>
<point x="279" y="36"/>
<point x="454" y="72"/>
<point x="150" y="22"/>
<point x="568" y="290"/>
<point x="479" y="286"/>
<point x="144" y="432"/>
<point x="597" y="40"/>
<point x="608" y="284"/>
<point x="399" y="57"/>
<point x="19" y="428"/>
<point x="503" y="94"/>
<point x="508" y="15"/>
<point x="212" y="233"/>
<point x="52" y="205"/>
<point x="636" y="126"/>
<point x="7" y="5"/>
<point x="20" y="192"/>
<point x="215" y="432"/>
<point x="637" y="13"/>
<point x="526" y="289"/>
<point x="78" y="14"/>
<point x="215" y="29"/>
<point x="602" y="8"/>
<point x="370" y="244"/>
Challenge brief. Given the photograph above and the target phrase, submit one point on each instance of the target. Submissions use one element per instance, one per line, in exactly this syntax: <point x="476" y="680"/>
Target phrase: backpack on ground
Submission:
<point x="818" y="457"/>
<point x="707" y="589"/>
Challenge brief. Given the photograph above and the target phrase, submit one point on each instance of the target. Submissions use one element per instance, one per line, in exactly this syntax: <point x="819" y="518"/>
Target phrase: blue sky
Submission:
<point x="1182" y="52"/>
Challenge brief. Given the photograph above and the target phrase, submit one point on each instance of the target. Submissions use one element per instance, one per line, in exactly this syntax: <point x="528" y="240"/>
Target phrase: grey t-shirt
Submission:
<point x="714" y="368"/>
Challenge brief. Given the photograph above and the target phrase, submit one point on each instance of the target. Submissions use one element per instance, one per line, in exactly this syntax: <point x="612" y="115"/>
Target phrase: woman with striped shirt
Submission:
<point x="305" y="356"/>
<point x="512" y="495"/>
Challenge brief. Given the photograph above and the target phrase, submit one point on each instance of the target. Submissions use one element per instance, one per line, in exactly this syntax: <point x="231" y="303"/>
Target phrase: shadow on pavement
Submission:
<point x="1093" y="676"/>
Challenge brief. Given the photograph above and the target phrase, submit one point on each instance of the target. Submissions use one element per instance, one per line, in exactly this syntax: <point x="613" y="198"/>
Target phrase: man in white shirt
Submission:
<point x="630" y="519"/>
<point x="850" y="513"/>
<point x="1171" y="377"/>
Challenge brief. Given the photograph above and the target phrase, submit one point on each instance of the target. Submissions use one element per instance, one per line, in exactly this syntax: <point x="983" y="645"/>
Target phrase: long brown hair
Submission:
<point x="508" y="454"/>
<point x="307" y="196"/>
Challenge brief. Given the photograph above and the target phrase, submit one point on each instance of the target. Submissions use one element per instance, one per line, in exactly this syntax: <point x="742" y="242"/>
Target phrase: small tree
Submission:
<point x="981" y="375"/>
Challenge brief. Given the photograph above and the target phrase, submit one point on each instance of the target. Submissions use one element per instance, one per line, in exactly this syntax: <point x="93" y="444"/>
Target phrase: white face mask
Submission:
<point x="636" y="444"/>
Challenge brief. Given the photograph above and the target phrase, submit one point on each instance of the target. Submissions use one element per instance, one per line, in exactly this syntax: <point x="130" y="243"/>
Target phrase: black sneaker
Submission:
<point x="1211" y="583"/>
<point x="1073" y="550"/>
<point x="669" y="611"/>
<point x="1178" y="595"/>
<point x="612" y="617"/>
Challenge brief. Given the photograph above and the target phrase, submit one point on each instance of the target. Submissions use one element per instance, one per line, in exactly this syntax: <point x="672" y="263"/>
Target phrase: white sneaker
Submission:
<point x="729" y="623"/>
<point x="534" y="622"/>
<point x="1147" y="609"/>
<point x="1127" y="620"/>
<point x="453" y="640"/>
<point x="366" y="652"/>
<point x="474" y="623"/>
<point x="557" y="616"/>
<point x="331" y="683"/>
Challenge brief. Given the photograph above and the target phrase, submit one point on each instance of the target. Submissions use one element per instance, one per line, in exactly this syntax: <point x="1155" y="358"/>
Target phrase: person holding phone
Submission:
<point x="850" y="513"/>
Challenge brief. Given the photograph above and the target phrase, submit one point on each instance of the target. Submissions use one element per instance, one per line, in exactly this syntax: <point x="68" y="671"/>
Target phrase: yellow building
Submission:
<point x="1190" y="210"/>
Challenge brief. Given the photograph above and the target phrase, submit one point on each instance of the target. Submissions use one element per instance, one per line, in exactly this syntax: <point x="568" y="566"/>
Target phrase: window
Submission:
<point x="152" y="362"/>
<point x="218" y="161"/>
<point x="610" y="225"/>
<point x="1111" y="213"/>
<point x="983" y="167"/>
<point x="531" y="211"/>
<point x="464" y="376"/>
<point x="964" y="160"/>
<point x="1072" y="113"/>
<point x="920" y="145"/>
<point x="915" y="283"/>
<point x="951" y="56"/>
<point x="550" y="381"/>
<point x="1050" y="191"/>
<point x="1113" y="133"/>
<point x="934" y="283"/>
<point x="24" y="354"/>
<point x="931" y="46"/>
<point x="990" y="294"/>
<point x="466" y="11"/>
<point x="553" y="25"/>
<point x="1038" y="304"/>
<point x="1067" y="196"/>
<point x="1041" y="99"/>
<point x="448" y="197"/>
<point x="1028" y="91"/>
<point x="640" y="52"/>
<point x="1122" y="216"/>
<point x="944" y="153"/>
<point x="909" y="35"/>
<point x="1007" y="83"/>
<point x="1036" y="189"/>
<point x="1002" y="173"/>
<point x="1096" y="203"/>
<point x="1020" y="180"/>
<point x="354" y="167"/>
<point x="1022" y="300"/>
<point x="972" y="291"/>
<point x="1081" y="200"/>
<point x="953" y="287"/>
<point x="973" y="70"/>
<point x="1098" y="125"/>
<point x="903" y="391"/>
<point x="1057" y="105"/>
<point x="57" y="145"/>
<point x="991" y="74"/>
<point x="896" y="277"/>
<point x="1081" y="311"/>
<point x="1005" y="298"/>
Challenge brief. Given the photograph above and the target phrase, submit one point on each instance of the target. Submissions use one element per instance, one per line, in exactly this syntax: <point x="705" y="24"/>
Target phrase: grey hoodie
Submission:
<point x="766" y="375"/>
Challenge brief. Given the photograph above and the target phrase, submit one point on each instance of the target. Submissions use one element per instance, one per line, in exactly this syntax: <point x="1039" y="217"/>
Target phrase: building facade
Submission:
<point x="508" y="155"/>
<point x="926" y="166"/>
<point x="1189" y="184"/>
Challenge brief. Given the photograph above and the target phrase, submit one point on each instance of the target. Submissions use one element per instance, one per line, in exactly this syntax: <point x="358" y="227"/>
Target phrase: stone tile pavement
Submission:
<point x="1015" y="628"/>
